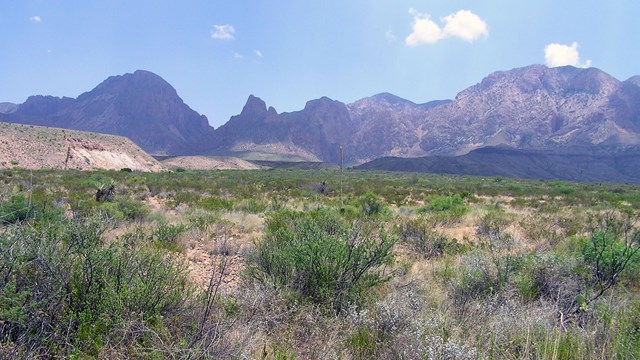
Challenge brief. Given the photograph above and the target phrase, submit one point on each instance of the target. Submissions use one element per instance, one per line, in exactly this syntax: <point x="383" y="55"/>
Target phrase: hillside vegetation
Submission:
<point x="306" y="264"/>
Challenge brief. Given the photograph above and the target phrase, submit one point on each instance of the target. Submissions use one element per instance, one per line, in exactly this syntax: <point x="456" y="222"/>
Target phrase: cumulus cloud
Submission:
<point x="223" y="32"/>
<point x="561" y="55"/>
<point x="258" y="53"/>
<point x="35" y="18"/>
<point x="463" y="24"/>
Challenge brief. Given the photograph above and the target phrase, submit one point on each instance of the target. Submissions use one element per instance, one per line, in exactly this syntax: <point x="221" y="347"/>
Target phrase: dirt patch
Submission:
<point x="208" y="163"/>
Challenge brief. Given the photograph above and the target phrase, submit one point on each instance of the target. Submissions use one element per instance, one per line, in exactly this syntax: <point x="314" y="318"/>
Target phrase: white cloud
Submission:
<point x="237" y="55"/>
<point x="463" y="25"/>
<point x="223" y="32"/>
<point x="561" y="55"/>
<point x="35" y="18"/>
<point x="258" y="53"/>
<point x="425" y="30"/>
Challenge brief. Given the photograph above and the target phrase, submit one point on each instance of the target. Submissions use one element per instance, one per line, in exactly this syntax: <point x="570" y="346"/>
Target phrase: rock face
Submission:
<point x="534" y="107"/>
<point x="387" y="125"/>
<point x="141" y="106"/>
<point x="314" y="133"/>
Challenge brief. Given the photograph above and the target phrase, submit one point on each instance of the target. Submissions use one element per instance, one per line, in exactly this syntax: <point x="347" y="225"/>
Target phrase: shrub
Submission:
<point x="443" y="203"/>
<point x="613" y="248"/>
<point x="15" y="210"/>
<point x="63" y="289"/>
<point x="124" y="209"/>
<point x="213" y="203"/>
<point x="445" y="209"/>
<point x="166" y="236"/>
<point x="319" y="259"/>
<point x="370" y="204"/>
<point x="424" y="240"/>
<point x="493" y="222"/>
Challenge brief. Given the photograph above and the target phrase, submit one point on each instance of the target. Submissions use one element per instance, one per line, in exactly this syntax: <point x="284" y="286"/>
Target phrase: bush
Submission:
<point x="215" y="204"/>
<point x="318" y="258"/>
<point x="15" y="210"/>
<point x="166" y="236"/>
<point x="443" y="203"/>
<point x="370" y="204"/>
<point x="63" y="289"/>
<point x="613" y="249"/>
<point x="445" y="209"/>
<point x="424" y="240"/>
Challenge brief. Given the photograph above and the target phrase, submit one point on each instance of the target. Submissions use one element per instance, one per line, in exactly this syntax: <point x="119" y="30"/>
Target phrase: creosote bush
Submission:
<point x="321" y="259"/>
<point x="62" y="288"/>
<point x="17" y="208"/>
<point x="421" y="236"/>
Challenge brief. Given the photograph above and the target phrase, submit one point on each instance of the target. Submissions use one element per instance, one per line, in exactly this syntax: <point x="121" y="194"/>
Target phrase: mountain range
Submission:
<point x="141" y="106"/>
<point x="535" y="109"/>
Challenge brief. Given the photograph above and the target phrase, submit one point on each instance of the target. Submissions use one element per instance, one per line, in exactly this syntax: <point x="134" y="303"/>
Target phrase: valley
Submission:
<point x="253" y="263"/>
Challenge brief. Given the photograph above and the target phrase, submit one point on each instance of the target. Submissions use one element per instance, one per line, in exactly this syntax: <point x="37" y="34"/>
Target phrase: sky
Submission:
<point x="216" y="53"/>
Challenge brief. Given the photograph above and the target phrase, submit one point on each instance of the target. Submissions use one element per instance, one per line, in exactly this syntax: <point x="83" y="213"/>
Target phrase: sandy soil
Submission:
<point x="208" y="163"/>
<point x="39" y="147"/>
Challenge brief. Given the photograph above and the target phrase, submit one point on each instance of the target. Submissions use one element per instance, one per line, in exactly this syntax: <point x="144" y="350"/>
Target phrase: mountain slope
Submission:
<point x="38" y="147"/>
<point x="534" y="107"/>
<point x="311" y="134"/>
<point x="141" y="106"/>
<point x="620" y="165"/>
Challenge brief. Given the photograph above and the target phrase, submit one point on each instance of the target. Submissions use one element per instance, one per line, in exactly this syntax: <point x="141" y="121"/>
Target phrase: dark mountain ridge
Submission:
<point x="558" y="110"/>
<point x="141" y="106"/>
<point x="618" y="164"/>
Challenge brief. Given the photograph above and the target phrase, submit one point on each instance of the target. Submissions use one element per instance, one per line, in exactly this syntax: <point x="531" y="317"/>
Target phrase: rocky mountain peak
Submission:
<point x="320" y="103"/>
<point x="39" y="105"/>
<point x="254" y="107"/>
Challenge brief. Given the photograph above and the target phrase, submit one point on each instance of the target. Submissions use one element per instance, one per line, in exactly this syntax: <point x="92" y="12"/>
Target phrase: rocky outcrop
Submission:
<point x="39" y="147"/>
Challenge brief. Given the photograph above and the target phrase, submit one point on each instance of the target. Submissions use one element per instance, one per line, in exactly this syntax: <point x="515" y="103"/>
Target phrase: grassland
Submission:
<point x="293" y="264"/>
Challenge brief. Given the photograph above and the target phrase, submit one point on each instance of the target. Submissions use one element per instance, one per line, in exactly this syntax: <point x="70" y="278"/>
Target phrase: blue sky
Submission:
<point x="216" y="53"/>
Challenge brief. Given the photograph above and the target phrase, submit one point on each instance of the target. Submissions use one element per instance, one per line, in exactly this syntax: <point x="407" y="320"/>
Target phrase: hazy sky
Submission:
<point x="216" y="53"/>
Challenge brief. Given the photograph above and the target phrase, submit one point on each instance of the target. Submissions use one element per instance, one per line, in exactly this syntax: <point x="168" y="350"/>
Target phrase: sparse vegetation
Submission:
<point x="262" y="264"/>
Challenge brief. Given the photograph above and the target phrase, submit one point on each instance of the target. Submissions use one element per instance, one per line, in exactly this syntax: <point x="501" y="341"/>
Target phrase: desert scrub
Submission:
<point x="16" y="209"/>
<point x="63" y="290"/>
<point x="370" y="204"/>
<point x="319" y="258"/>
<point x="422" y="238"/>
<point x="445" y="210"/>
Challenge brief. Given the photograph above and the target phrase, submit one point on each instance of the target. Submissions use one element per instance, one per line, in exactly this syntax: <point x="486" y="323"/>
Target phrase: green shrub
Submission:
<point x="444" y="209"/>
<point x="17" y="208"/>
<point x="318" y="258"/>
<point x="423" y="239"/>
<point x="611" y="251"/>
<point x="80" y="289"/>
<point x="166" y="236"/>
<point x="123" y="209"/>
<point x="213" y="203"/>
<point x="443" y="203"/>
<point x="370" y="204"/>
<point x="494" y="222"/>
